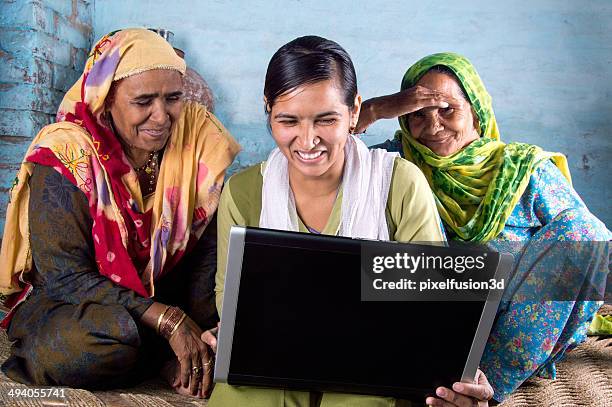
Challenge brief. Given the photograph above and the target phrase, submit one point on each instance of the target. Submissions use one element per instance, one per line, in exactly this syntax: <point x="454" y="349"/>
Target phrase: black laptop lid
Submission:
<point x="300" y="323"/>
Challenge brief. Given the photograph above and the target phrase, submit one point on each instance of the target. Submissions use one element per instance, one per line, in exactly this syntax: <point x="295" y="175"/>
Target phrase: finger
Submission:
<point x="432" y="93"/>
<point x="454" y="398"/>
<point x="200" y="394"/>
<point x="366" y="119"/>
<point x="429" y="93"/>
<point x="361" y="127"/>
<point x="209" y="338"/>
<point x="430" y="102"/>
<point x="196" y="375"/>
<point x="439" y="100"/>
<point x="481" y="378"/>
<point x="207" y="383"/>
<point x="432" y="401"/>
<point x="185" y="371"/>
<point x="478" y="391"/>
<point x="207" y="364"/>
<point x="201" y="380"/>
<point x="420" y="89"/>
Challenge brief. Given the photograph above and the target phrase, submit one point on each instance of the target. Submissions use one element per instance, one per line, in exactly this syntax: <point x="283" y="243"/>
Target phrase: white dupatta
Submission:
<point x="365" y="182"/>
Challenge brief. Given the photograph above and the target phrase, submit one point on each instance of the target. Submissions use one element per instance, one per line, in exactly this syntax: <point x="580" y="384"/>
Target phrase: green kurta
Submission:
<point x="411" y="211"/>
<point x="411" y="216"/>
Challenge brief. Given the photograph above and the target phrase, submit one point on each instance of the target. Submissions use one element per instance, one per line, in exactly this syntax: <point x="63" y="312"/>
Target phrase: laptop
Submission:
<point x="294" y="317"/>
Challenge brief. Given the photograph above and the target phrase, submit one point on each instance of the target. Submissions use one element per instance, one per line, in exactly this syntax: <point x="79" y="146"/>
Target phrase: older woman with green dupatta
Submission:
<point x="497" y="193"/>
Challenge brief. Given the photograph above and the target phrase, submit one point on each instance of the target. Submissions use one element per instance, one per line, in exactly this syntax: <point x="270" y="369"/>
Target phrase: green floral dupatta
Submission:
<point x="476" y="188"/>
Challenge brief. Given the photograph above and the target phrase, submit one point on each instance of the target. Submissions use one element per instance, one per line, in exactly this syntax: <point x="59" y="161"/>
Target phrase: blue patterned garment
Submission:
<point x="530" y="335"/>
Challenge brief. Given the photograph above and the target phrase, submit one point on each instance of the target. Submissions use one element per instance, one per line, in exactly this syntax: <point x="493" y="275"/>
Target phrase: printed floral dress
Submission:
<point x="555" y="241"/>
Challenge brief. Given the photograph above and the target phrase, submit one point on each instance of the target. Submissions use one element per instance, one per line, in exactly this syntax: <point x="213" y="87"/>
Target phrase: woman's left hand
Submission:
<point x="464" y="394"/>
<point x="210" y="337"/>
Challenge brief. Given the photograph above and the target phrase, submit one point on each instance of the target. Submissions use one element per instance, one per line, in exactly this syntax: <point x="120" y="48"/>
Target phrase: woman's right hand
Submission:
<point x="398" y="104"/>
<point x="192" y="352"/>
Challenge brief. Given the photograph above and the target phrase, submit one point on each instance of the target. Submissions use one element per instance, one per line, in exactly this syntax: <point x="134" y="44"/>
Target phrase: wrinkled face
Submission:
<point x="145" y="106"/>
<point x="444" y="130"/>
<point x="310" y="125"/>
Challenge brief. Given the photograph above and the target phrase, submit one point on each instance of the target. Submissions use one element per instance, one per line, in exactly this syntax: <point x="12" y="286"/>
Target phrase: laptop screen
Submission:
<point x="300" y="323"/>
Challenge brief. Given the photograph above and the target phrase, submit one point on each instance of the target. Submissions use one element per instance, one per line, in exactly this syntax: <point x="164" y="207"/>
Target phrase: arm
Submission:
<point x="228" y="215"/>
<point x="62" y="246"/>
<point x="245" y="188"/>
<point x="200" y="266"/>
<point x="551" y="193"/>
<point x="550" y="200"/>
<point x="412" y="213"/>
<point x="398" y="104"/>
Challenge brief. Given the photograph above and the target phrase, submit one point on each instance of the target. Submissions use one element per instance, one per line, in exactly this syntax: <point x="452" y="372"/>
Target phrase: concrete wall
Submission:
<point x="43" y="48"/>
<point x="547" y="64"/>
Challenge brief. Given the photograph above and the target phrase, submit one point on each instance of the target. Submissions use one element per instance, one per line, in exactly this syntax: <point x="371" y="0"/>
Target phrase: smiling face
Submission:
<point x="444" y="130"/>
<point x="145" y="106"/>
<point x="310" y="125"/>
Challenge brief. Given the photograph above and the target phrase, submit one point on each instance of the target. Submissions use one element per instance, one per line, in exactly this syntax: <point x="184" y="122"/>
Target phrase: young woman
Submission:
<point x="322" y="179"/>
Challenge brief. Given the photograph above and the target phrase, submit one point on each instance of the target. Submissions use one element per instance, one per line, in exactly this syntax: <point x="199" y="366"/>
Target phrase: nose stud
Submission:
<point x="316" y="140"/>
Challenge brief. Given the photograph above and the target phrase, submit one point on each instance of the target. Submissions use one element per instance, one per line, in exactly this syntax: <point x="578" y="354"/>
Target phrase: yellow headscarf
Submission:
<point x="127" y="230"/>
<point x="115" y="56"/>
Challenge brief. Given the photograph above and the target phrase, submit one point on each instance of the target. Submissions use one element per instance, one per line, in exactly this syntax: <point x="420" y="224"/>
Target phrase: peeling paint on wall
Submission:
<point x="43" y="46"/>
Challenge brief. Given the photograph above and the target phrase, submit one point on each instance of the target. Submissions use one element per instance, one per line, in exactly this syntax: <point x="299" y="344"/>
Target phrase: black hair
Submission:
<point x="307" y="60"/>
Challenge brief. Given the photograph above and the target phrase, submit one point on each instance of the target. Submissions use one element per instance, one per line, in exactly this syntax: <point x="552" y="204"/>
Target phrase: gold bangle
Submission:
<point x="161" y="316"/>
<point x="180" y="321"/>
<point x="169" y="323"/>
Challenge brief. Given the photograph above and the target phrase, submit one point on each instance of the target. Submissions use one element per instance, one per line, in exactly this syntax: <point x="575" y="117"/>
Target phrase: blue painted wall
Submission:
<point x="43" y="47"/>
<point x="547" y="64"/>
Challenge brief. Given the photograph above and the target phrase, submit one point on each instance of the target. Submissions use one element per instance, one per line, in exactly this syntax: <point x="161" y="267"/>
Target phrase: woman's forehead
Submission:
<point x="441" y="82"/>
<point x="311" y="98"/>
<point x="153" y="81"/>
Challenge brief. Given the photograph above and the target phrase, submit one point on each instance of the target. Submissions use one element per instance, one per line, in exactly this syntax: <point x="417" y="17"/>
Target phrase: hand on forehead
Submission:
<point x="445" y="87"/>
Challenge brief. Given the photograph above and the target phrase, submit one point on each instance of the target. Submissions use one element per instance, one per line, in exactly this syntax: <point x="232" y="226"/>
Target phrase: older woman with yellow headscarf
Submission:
<point x="496" y="193"/>
<point x="107" y="237"/>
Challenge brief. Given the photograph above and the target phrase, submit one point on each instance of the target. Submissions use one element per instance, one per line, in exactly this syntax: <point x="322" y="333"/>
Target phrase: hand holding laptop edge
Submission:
<point x="464" y="394"/>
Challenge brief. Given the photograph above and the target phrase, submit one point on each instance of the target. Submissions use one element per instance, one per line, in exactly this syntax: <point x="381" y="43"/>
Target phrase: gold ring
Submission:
<point x="210" y="362"/>
<point x="197" y="370"/>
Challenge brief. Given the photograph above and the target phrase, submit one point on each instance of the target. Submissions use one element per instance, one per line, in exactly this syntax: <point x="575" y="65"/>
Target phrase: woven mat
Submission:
<point x="150" y="393"/>
<point x="584" y="379"/>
